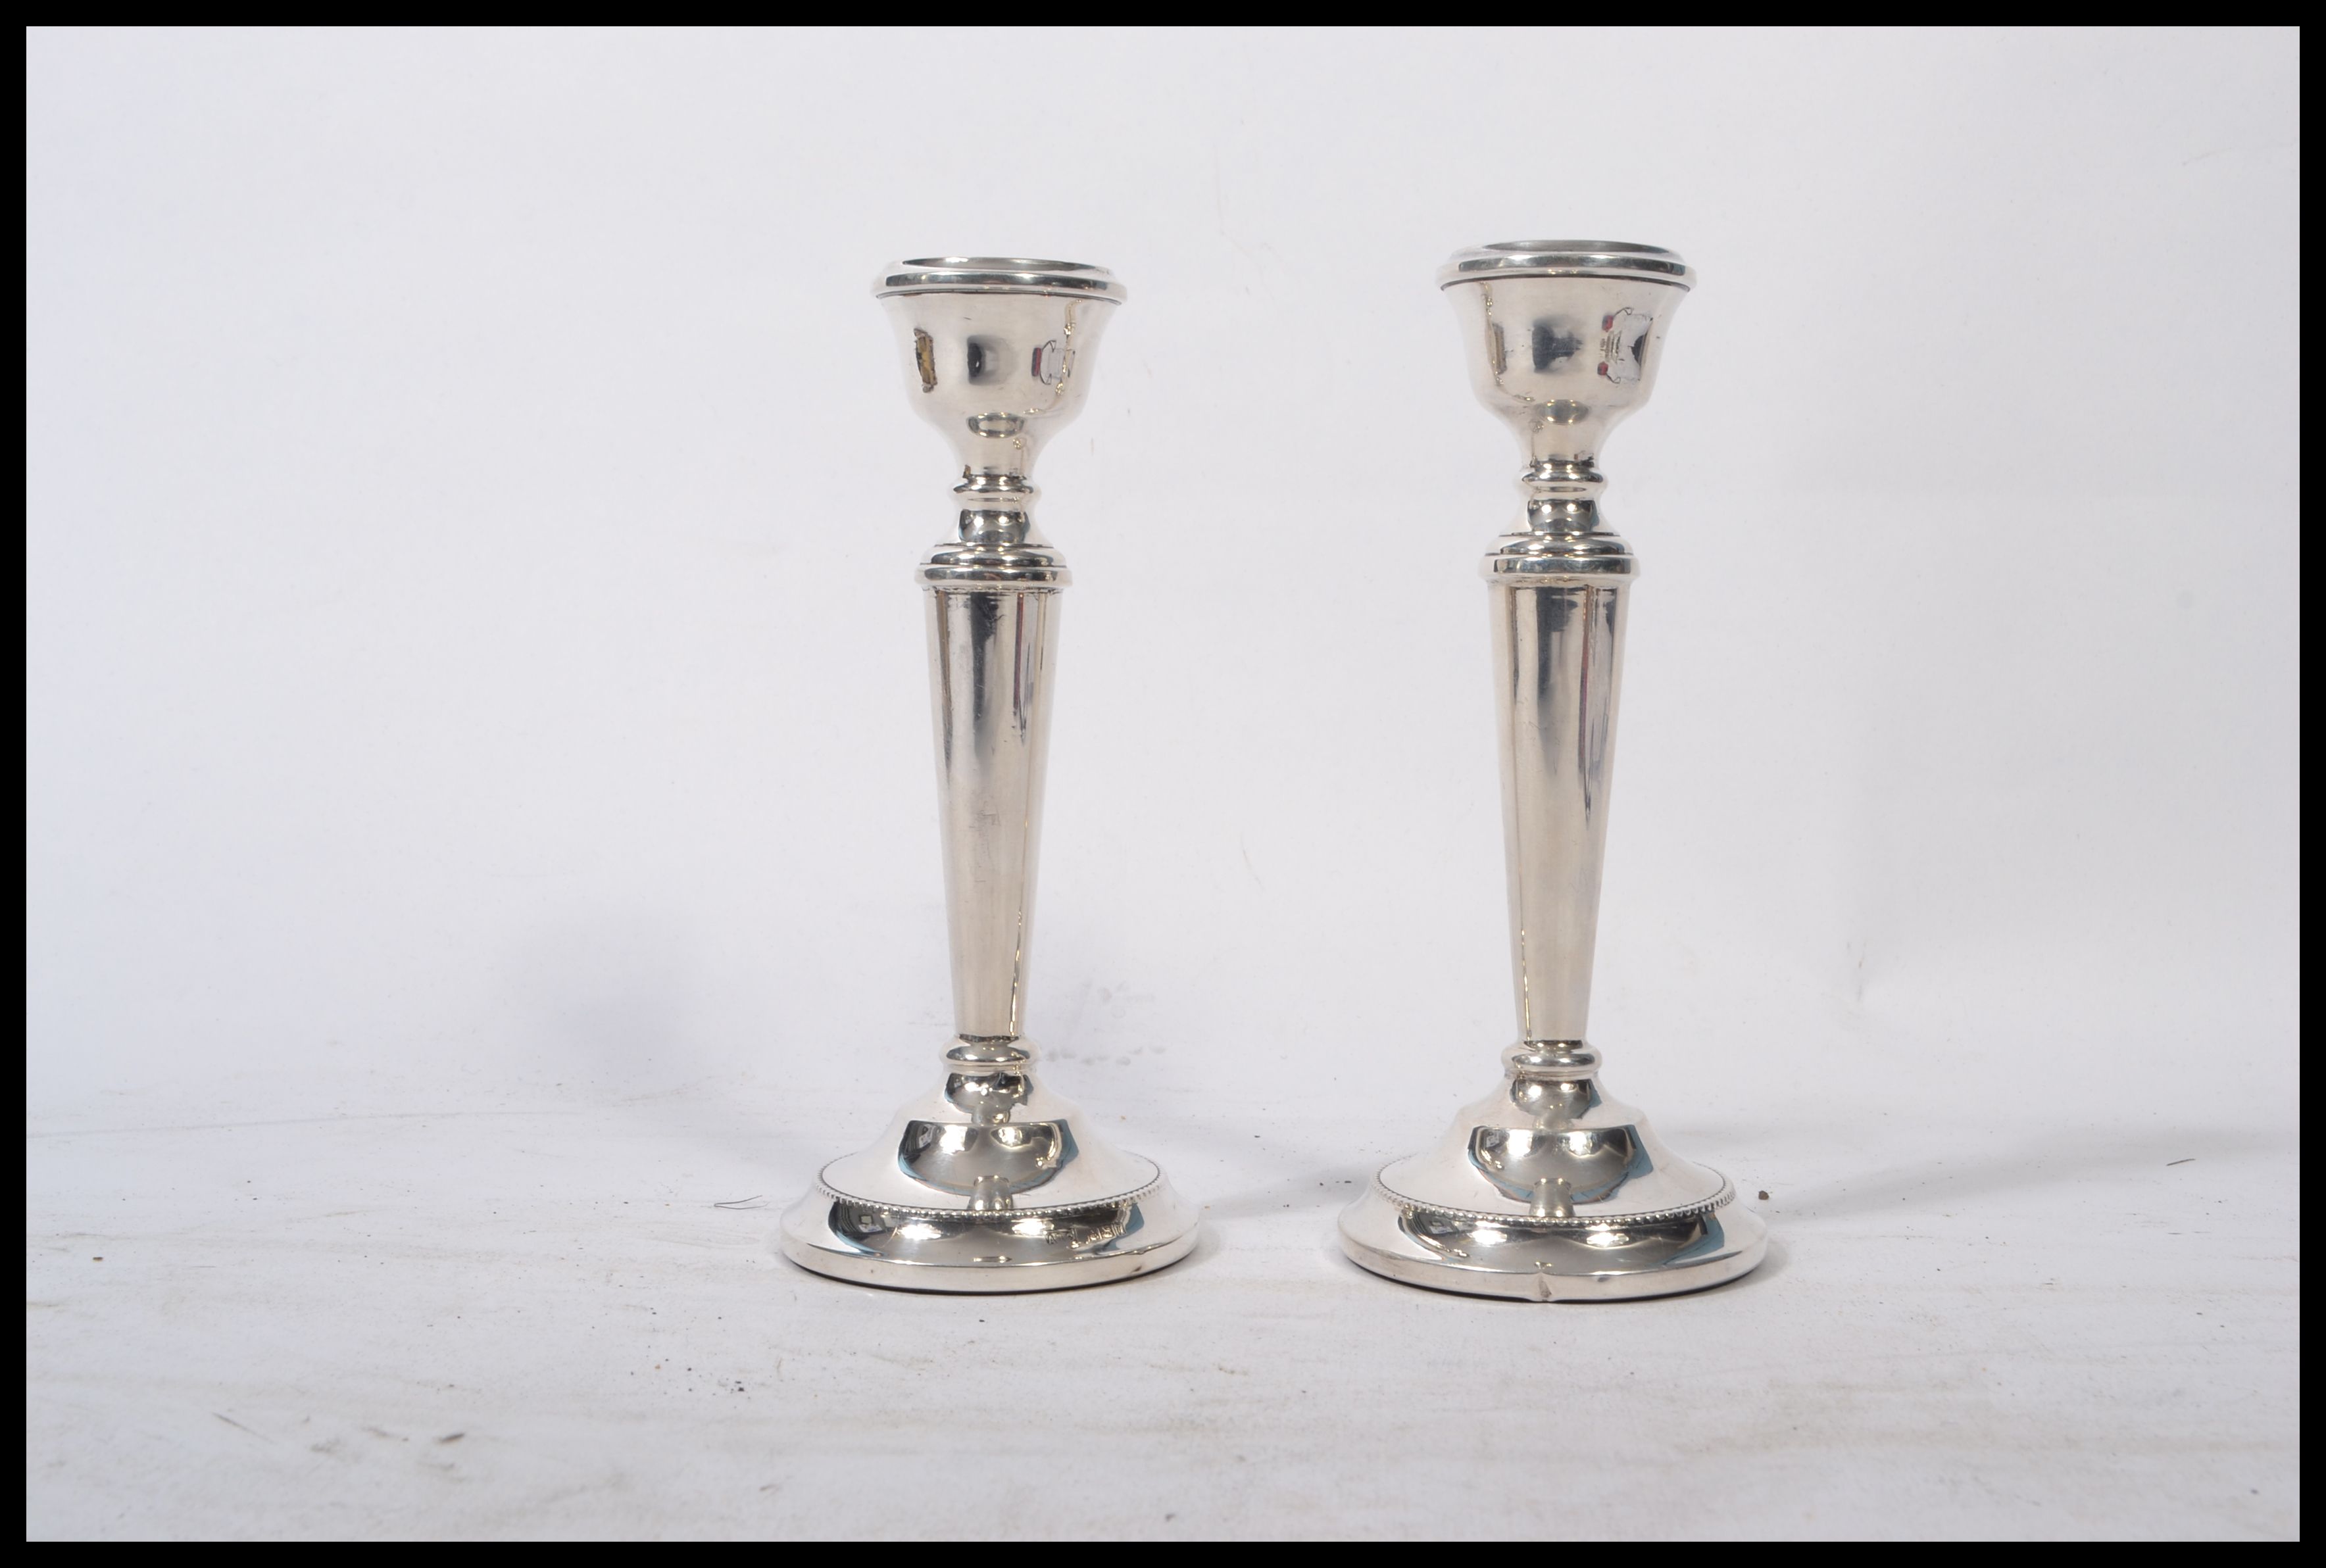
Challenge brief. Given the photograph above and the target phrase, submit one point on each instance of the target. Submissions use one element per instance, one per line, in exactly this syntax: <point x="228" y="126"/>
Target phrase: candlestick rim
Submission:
<point x="1567" y="258"/>
<point x="990" y="274"/>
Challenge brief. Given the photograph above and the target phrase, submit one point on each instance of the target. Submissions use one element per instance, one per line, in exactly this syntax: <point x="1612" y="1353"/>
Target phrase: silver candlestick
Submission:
<point x="991" y="1183"/>
<point x="1547" y="1190"/>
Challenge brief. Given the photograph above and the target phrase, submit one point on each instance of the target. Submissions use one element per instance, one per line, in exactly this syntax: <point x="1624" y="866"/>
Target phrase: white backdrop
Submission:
<point x="474" y="661"/>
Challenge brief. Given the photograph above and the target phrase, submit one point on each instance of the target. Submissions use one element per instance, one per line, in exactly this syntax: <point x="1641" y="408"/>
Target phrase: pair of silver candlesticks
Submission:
<point x="1546" y="1188"/>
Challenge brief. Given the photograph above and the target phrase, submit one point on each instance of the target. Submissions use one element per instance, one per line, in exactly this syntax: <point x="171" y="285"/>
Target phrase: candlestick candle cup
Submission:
<point x="1548" y="1189"/>
<point x="992" y="1181"/>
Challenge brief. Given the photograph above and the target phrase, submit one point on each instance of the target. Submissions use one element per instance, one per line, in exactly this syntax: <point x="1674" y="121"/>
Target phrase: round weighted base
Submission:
<point x="1602" y="1258"/>
<point x="1005" y="1250"/>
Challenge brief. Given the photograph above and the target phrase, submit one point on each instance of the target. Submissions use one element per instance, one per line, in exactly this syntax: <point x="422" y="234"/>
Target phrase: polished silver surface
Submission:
<point x="991" y="1183"/>
<point x="1546" y="1189"/>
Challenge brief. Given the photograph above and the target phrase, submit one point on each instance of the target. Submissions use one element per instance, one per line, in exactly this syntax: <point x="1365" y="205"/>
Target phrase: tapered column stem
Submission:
<point x="990" y="678"/>
<point x="1558" y="654"/>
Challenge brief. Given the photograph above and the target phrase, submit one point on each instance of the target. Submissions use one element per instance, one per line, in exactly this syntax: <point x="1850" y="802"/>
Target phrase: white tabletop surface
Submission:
<point x="555" y="1313"/>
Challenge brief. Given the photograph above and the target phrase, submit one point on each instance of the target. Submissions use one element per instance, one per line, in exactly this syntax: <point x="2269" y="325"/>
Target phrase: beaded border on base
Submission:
<point x="1722" y="1199"/>
<point x="1133" y="1196"/>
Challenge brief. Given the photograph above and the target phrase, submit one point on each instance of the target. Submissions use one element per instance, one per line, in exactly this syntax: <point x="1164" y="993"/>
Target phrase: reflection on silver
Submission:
<point x="991" y="1183"/>
<point x="1546" y="1188"/>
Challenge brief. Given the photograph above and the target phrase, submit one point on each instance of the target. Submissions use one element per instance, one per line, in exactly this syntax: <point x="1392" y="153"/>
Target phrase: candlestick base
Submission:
<point x="994" y="1183"/>
<point x="1548" y="1191"/>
